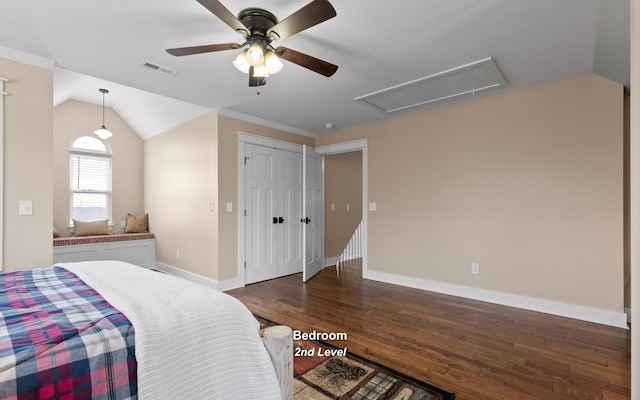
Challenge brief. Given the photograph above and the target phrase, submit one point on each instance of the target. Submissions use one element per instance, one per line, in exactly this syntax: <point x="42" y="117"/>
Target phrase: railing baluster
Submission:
<point x="353" y="249"/>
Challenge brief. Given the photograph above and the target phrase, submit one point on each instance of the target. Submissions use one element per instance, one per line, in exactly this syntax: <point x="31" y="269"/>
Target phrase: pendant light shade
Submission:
<point x="241" y="62"/>
<point x="103" y="132"/>
<point x="255" y="55"/>
<point x="272" y="63"/>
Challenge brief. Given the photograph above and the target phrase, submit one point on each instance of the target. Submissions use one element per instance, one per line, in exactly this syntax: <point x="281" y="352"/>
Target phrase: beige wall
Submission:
<point x="343" y="185"/>
<point x="180" y="184"/>
<point x="228" y="129"/>
<point x="73" y="118"/>
<point x="28" y="165"/>
<point x="527" y="183"/>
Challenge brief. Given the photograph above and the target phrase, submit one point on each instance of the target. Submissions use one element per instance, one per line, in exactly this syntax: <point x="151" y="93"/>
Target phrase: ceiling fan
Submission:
<point x="260" y="28"/>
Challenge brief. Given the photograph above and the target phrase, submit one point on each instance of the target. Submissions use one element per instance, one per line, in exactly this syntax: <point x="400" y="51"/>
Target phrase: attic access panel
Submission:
<point x="465" y="80"/>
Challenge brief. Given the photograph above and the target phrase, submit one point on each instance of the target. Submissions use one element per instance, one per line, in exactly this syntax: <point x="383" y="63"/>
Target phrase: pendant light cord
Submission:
<point x="103" y="91"/>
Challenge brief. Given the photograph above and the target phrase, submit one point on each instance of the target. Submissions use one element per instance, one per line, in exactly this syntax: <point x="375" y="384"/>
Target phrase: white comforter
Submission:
<point x="192" y="342"/>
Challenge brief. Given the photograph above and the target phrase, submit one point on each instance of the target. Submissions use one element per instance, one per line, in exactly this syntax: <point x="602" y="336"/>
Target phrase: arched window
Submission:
<point x="90" y="178"/>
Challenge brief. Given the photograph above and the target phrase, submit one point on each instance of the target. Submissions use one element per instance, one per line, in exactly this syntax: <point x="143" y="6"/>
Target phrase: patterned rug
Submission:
<point x="323" y="371"/>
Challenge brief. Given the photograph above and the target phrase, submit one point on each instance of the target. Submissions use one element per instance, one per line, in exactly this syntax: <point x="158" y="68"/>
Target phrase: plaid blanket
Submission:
<point x="59" y="339"/>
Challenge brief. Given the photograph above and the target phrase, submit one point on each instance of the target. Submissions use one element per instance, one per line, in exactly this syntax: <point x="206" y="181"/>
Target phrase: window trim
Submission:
<point x="106" y="154"/>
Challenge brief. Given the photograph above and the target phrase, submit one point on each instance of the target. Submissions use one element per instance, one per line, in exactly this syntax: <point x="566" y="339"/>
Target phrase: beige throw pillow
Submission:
<point x="137" y="223"/>
<point x="89" y="228"/>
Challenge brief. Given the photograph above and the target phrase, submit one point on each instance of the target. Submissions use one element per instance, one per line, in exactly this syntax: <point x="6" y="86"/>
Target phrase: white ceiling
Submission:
<point x="375" y="44"/>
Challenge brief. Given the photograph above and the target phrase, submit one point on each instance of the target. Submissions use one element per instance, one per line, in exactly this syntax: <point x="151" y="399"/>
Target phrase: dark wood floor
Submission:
<point x="477" y="350"/>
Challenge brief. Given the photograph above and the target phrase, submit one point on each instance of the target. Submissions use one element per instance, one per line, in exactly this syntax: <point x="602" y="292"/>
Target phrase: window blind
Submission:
<point x="90" y="186"/>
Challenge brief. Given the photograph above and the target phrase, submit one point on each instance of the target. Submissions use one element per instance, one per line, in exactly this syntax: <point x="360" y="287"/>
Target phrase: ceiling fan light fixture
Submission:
<point x="255" y="55"/>
<point x="272" y="63"/>
<point x="260" y="72"/>
<point x="241" y="62"/>
<point x="260" y="28"/>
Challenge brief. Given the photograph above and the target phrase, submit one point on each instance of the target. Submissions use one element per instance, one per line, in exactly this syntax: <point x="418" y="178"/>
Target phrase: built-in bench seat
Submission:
<point x="135" y="248"/>
<point x="118" y="237"/>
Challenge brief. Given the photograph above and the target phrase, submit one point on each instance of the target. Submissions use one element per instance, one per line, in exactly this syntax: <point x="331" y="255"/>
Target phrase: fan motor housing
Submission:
<point x="258" y="21"/>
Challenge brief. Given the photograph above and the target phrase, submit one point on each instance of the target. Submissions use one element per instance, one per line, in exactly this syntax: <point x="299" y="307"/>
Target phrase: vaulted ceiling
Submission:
<point x="376" y="45"/>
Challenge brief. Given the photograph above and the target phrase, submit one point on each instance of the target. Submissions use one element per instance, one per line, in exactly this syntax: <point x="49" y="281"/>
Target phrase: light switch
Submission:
<point x="348" y="207"/>
<point x="373" y="206"/>
<point x="229" y="207"/>
<point x="26" y="207"/>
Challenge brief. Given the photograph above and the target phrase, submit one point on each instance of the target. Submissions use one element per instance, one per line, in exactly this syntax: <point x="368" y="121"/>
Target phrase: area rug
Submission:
<point x="323" y="371"/>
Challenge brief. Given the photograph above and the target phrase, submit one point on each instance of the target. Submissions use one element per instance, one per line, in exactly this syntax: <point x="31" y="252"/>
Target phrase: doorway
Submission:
<point x="343" y="209"/>
<point x="350" y="147"/>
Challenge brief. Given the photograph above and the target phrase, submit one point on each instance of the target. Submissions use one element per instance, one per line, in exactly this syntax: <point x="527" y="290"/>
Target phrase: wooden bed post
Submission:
<point x="279" y="343"/>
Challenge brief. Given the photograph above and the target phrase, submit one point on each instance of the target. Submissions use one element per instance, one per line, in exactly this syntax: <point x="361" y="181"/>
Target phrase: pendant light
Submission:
<point x="103" y="132"/>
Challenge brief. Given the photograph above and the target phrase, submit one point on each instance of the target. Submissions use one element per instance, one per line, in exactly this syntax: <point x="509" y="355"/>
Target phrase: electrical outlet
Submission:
<point x="475" y="268"/>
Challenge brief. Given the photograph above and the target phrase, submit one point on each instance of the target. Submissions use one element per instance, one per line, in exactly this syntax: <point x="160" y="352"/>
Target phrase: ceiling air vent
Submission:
<point x="158" y="68"/>
<point x="461" y="81"/>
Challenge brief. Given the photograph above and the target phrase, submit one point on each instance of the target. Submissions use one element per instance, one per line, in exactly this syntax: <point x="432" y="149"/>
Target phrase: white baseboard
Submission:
<point x="171" y="270"/>
<point x="328" y="262"/>
<point x="230" y="284"/>
<point x="190" y="276"/>
<point x="590" y="314"/>
<point x="605" y="317"/>
<point x="627" y="311"/>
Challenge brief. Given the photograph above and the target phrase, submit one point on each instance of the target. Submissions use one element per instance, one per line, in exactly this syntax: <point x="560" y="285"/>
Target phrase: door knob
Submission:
<point x="275" y="220"/>
<point x="305" y="220"/>
<point x="280" y="220"/>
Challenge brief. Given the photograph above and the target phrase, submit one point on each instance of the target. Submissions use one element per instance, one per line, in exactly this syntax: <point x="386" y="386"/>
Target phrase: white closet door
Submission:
<point x="273" y="197"/>
<point x="261" y="207"/>
<point x="313" y="219"/>
<point x="289" y="213"/>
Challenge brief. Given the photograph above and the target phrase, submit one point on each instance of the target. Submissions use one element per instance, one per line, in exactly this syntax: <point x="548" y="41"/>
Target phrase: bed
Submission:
<point x="112" y="330"/>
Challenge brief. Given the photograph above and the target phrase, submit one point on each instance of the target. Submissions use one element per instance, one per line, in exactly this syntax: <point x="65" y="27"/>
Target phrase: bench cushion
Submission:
<point x="75" y="240"/>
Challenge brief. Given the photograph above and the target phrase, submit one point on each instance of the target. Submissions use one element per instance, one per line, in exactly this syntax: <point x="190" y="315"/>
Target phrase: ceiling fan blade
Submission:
<point x="208" y="48"/>
<point x="225" y="15"/>
<point x="312" y="14"/>
<point x="315" y="64"/>
<point x="256" y="80"/>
